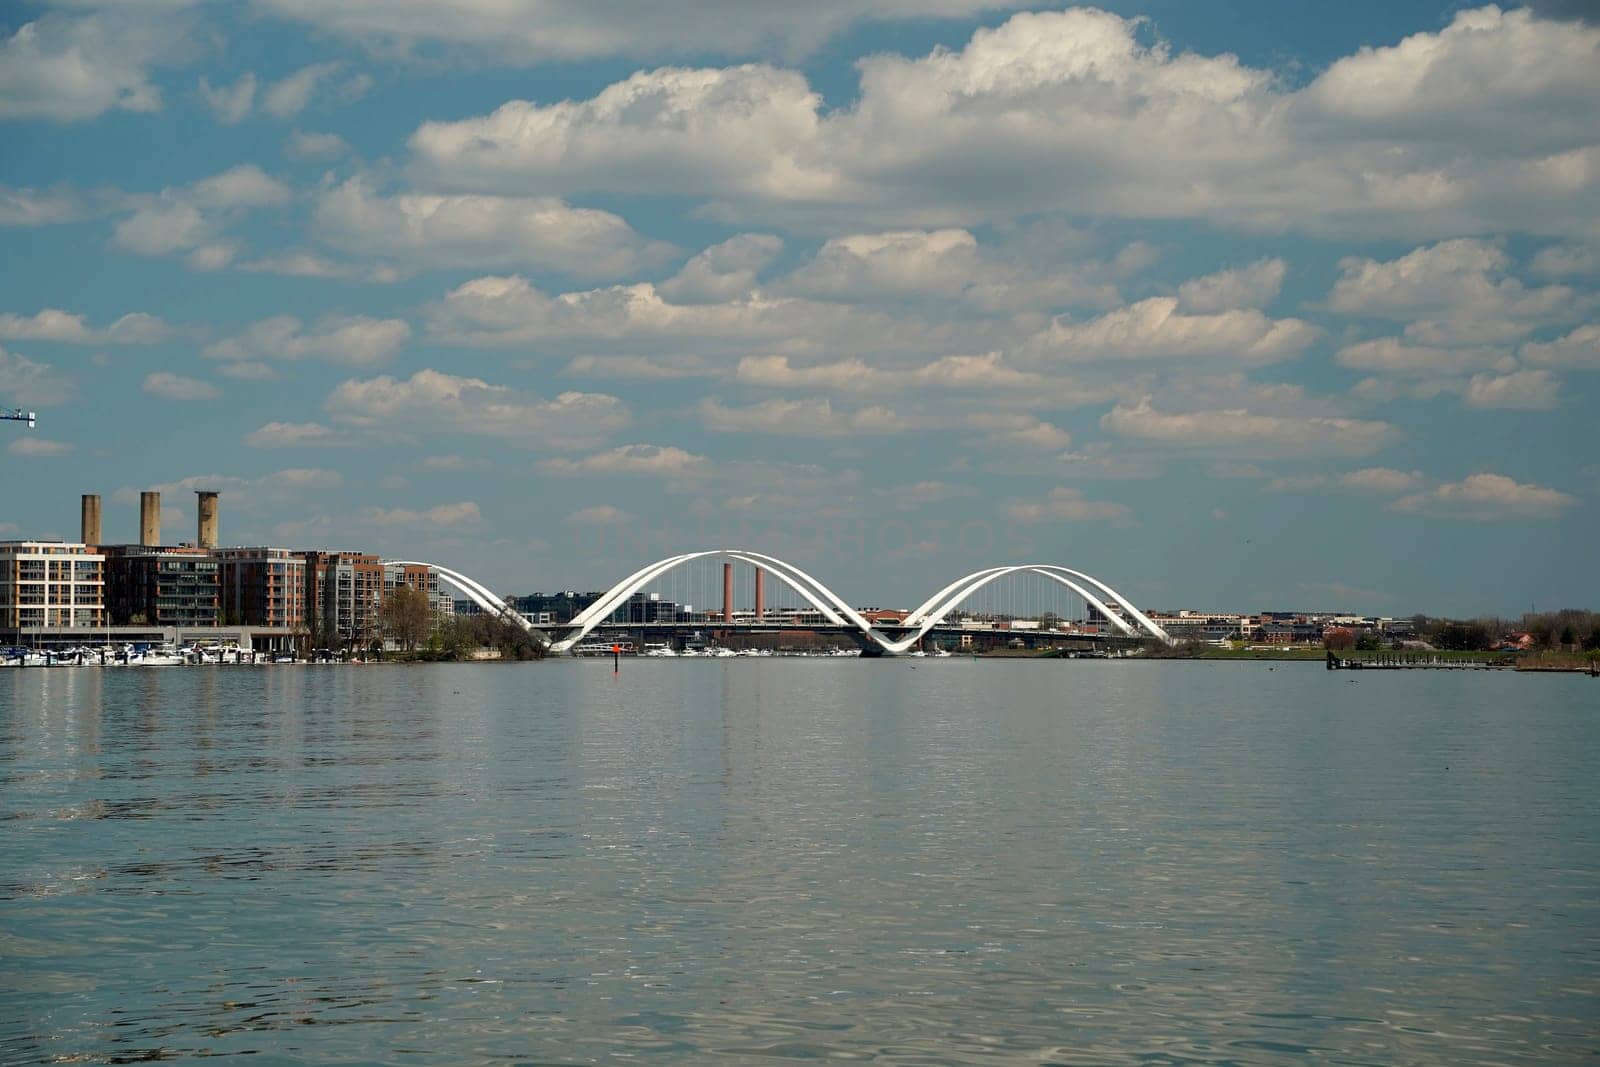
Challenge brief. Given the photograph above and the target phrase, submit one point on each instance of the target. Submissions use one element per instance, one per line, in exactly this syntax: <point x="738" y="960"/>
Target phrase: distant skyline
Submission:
<point x="1238" y="307"/>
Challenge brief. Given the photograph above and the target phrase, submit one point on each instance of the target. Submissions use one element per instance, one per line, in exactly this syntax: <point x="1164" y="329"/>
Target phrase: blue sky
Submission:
<point x="1237" y="306"/>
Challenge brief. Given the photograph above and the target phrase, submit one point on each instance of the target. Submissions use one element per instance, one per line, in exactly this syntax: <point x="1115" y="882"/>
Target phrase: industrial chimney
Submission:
<point x="207" y="511"/>
<point x="91" y="519"/>
<point x="150" y="518"/>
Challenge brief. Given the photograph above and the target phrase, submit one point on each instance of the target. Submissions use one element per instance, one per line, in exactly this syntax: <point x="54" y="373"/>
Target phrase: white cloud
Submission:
<point x="192" y="218"/>
<point x="40" y="207"/>
<point x="724" y="271"/>
<point x="1380" y="480"/>
<point x="177" y="387"/>
<point x="433" y="401"/>
<point x="231" y="104"/>
<point x="1452" y="292"/>
<point x="803" y="418"/>
<point x="1563" y="260"/>
<point x="910" y="263"/>
<point x="295" y="435"/>
<point x="306" y="144"/>
<point x="251" y="492"/>
<point x="509" y="311"/>
<point x="1156" y="329"/>
<point x="1241" y="287"/>
<point x="52" y="324"/>
<point x="29" y="383"/>
<point x="38" y="447"/>
<point x="1023" y="432"/>
<point x="289" y="97"/>
<point x="1579" y="350"/>
<point x="69" y="70"/>
<point x="357" y="340"/>
<point x="1483" y="126"/>
<point x="1486" y="497"/>
<point x="740" y="130"/>
<point x="1523" y="390"/>
<point x="1064" y="504"/>
<point x="542" y="233"/>
<point x="533" y="31"/>
<point x="656" y="461"/>
<point x="464" y="513"/>
<point x="1391" y="355"/>
<point x="600" y="515"/>
<point x="1239" y="430"/>
<point x="247" y="371"/>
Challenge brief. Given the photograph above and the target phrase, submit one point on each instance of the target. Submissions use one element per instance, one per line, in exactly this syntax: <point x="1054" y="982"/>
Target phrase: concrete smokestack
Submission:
<point x="149" y="518"/>
<point x="207" y="511"/>
<point x="91" y="519"/>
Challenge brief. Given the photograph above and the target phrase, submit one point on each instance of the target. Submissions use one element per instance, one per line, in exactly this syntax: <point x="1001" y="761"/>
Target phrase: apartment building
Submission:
<point x="51" y="583"/>
<point x="344" y="591"/>
<point x="163" y="586"/>
<point x="263" y="586"/>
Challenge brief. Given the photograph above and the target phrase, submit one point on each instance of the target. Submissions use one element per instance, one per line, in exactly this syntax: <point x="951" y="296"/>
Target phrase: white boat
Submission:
<point x="160" y="656"/>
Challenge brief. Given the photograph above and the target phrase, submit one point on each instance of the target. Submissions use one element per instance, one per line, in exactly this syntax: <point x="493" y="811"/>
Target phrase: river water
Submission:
<point x="908" y="862"/>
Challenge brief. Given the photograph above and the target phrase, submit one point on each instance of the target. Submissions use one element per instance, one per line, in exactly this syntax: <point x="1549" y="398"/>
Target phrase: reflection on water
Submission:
<point x="958" y="862"/>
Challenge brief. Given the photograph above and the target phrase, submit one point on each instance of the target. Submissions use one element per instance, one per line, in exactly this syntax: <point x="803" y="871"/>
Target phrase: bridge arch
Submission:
<point x="933" y="611"/>
<point x="928" y="615"/>
<point x="826" y="601"/>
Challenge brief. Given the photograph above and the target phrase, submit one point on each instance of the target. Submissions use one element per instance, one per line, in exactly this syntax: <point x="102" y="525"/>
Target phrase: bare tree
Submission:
<point x="407" y="616"/>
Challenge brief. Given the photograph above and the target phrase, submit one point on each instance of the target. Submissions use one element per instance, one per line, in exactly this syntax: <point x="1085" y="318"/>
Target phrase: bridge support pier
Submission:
<point x="727" y="594"/>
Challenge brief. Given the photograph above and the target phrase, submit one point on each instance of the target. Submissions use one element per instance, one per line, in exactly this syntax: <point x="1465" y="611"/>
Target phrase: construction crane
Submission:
<point x="18" y="415"/>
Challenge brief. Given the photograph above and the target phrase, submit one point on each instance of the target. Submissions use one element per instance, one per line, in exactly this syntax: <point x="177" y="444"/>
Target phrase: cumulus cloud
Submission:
<point x="1380" y="480"/>
<point x="73" y="69"/>
<point x="355" y="339"/>
<point x="53" y="324"/>
<point x="464" y="513"/>
<point x="656" y="461"/>
<point x="1578" y="350"/>
<point x="1523" y="390"/>
<point x="1391" y="355"/>
<point x="723" y="272"/>
<point x="1252" y="286"/>
<point x="532" y="31"/>
<point x="1453" y="292"/>
<point x="1481" y="126"/>
<point x="193" y="218"/>
<point x="1240" y="430"/>
<point x="178" y="387"/>
<point x="295" y="435"/>
<point x="1064" y="504"/>
<point x="38" y="448"/>
<point x="230" y="104"/>
<point x="803" y="418"/>
<point x="307" y="144"/>
<point x="1157" y="329"/>
<point x="542" y="233"/>
<point x="433" y="401"/>
<point x="30" y="383"/>
<point x="40" y="207"/>
<point x="1487" y="497"/>
<point x="495" y="310"/>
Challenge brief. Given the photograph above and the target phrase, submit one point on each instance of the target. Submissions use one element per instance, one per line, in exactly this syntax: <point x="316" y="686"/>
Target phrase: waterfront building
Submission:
<point x="263" y="586"/>
<point x="344" y="591"/>
<point x="163" y="586"/>
<point x="51" y="583"/>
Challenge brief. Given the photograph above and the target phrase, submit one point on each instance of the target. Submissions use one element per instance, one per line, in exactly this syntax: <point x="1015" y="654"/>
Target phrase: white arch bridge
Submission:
<point x="1125" y="617"/>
